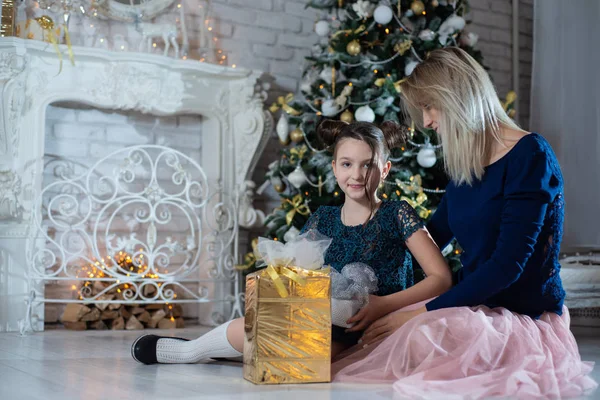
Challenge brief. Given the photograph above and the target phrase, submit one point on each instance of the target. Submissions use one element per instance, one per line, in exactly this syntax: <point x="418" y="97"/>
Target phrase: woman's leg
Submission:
<point x="225" y="341"/>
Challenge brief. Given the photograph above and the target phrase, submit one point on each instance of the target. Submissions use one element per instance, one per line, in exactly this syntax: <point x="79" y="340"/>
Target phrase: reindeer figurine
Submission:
<point x="168" y="33"/>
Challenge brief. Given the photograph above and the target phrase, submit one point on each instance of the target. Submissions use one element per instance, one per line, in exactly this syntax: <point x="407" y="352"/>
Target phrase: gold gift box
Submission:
<point x="288" y="339"/>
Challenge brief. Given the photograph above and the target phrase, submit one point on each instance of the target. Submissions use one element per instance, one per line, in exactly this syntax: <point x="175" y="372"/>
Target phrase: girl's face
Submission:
<point x="431" y="118"/>
<point x="351" y="166"/>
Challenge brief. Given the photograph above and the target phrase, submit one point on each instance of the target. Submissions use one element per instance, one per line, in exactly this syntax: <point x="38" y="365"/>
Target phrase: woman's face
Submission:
<point x="431" y="118"/>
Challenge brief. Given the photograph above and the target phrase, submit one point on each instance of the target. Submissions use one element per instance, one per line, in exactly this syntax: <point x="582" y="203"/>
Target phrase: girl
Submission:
<point x="365" y="229"/>
<point x="502" y="330"/>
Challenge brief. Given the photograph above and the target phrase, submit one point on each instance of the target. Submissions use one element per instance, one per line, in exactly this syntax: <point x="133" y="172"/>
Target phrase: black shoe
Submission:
<point x="143" y="350"/>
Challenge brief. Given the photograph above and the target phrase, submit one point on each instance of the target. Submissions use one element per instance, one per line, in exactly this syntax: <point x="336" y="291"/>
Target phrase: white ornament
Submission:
<point x="364" y="114"/>
<point x="322" y="28"/>
<point x="283" y="128"/>
<point x="408" y="69"/>
<point x="363" y="8"/>
<point x="152" y="32"/>
<point x="427" y="35"/>
<point x="330" y="108"/>
<point x="383" y="15"/>
<point x="469" y="39"/>
<point x="291" y="234"/>
<point x="452" y="24"/>
<point x="297" y="177"/>
<point x="426" y="157"/>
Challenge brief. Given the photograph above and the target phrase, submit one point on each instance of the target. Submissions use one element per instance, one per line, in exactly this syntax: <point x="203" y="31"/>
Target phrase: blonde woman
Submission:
<point x="502" y="330"/>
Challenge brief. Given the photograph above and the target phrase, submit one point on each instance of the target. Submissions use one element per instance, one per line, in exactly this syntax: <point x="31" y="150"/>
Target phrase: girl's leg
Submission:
<point x="225" y="341"/>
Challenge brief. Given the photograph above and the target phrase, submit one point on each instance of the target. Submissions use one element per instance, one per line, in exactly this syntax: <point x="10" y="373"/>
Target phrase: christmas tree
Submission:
<point x="354" y="72"/>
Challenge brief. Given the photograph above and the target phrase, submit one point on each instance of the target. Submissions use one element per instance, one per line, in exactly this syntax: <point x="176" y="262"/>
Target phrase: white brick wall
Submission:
<point x="492" y="21"/>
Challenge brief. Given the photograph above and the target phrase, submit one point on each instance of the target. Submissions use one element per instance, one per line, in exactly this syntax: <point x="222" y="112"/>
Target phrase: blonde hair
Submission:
<point x="452" y="82"/>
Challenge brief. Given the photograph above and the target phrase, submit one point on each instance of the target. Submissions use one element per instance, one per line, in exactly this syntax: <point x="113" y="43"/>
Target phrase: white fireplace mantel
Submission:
<point x="235" y="128"/>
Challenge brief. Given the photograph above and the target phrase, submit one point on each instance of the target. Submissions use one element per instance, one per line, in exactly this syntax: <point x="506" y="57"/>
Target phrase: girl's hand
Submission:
<point x="375" y="309"/>
<point x="387" y="325"/>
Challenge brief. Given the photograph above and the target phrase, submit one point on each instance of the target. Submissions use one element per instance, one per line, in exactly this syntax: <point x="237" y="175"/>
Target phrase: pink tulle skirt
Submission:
<point x="473" y="353"/>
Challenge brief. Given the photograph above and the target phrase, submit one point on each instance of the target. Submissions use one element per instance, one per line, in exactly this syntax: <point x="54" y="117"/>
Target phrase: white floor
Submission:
<point x="97" y="365"/>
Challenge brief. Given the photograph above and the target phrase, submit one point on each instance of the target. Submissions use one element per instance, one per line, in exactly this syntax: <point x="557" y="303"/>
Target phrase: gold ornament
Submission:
<point x="45" y="22"/>
<point x="417" y="7"/>
<point x="434" y="3"/>
<point x="296" y="135"/>
<point x="353" y="48"/>
<point x="8" y="18"/>
<point x="279" y="188"/>
<point x="403" y="47"/>
<point x="347" y="116"/>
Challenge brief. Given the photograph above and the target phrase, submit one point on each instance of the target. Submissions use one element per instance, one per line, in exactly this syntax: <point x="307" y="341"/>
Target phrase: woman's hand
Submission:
<point x="387" y="325"/>
<point x="375" y="309"/>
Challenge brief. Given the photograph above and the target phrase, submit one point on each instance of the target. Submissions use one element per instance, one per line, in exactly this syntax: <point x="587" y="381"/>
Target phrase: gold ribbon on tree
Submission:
<point x="298" y="206"/>
<point x="414" y="185"/>
<point x="403" y="47"/>
<point x="358" y="30"/>
<point x="380" y="82"/>
<point x="250" y="258"/>
<point x="283" y="103"/>
<point x="418" y="202"/>
<point x="508" y="105"/>
<point x="297" y="153"/>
